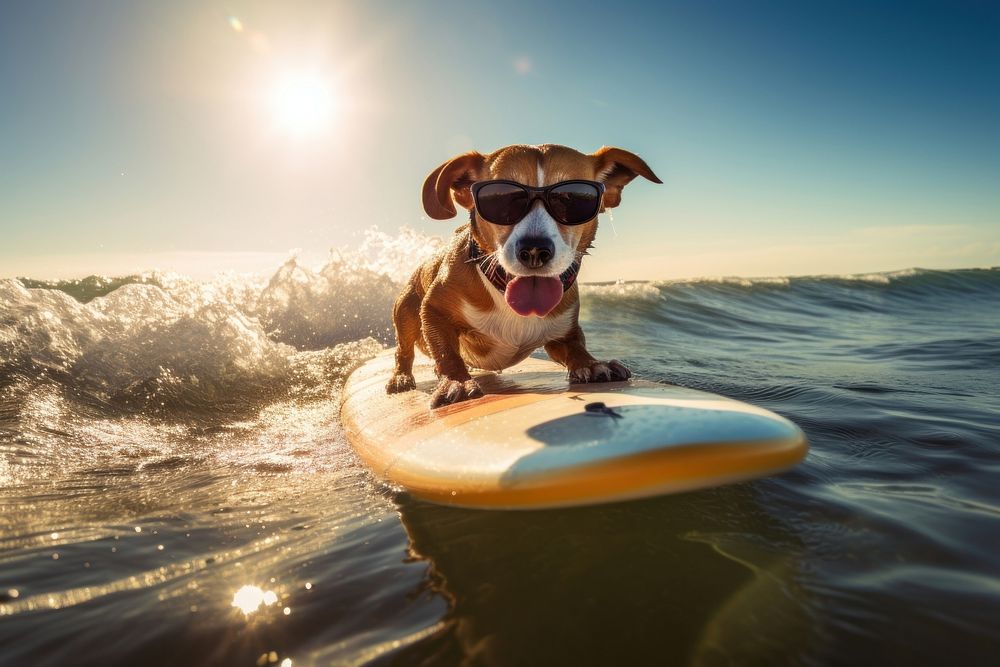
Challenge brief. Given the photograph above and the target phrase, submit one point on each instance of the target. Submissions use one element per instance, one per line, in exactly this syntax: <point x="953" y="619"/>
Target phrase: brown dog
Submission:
<point x="505" y="285"/>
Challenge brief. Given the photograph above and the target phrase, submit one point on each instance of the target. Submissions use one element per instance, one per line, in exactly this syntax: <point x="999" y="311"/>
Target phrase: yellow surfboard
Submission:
<point x="535" y="441"/>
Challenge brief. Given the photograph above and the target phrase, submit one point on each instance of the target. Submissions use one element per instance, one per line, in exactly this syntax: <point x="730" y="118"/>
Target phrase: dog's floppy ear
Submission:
<point x="453" y="177"/>
<point x="615" y="168"/>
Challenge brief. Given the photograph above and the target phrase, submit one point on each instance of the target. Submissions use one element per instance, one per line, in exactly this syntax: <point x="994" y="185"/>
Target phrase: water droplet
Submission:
<point x="287" y="611"/>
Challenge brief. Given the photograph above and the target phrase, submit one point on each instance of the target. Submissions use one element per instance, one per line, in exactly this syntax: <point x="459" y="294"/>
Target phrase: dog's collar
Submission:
<point x="499" y="278"/>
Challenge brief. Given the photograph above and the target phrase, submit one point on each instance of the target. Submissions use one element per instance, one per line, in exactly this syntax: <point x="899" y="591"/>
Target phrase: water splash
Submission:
<point x="94" y="366"/>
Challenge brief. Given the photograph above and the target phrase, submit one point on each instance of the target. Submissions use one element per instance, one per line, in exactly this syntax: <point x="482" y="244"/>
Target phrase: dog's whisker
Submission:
<point x="492" y="265"/>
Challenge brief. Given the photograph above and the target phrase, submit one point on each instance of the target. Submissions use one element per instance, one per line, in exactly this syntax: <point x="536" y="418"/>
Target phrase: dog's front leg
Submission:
<point x="406" y="320"/>
<point x="571" y="352"/>
<point x="441" y="337"/>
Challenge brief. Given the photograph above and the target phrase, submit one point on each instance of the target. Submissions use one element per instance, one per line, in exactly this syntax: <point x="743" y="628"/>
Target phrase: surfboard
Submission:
<point x="535" y="441"/>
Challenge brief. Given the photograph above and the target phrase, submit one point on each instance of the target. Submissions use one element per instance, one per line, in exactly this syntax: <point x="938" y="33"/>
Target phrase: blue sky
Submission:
<point x="793" y="138"/>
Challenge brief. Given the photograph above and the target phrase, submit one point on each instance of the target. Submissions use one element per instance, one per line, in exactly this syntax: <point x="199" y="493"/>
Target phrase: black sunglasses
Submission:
<point x="507" y="202"/>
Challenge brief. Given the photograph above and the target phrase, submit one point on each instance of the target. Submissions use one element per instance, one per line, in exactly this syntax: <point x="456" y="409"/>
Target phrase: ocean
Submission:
<point x="175" y="487"/>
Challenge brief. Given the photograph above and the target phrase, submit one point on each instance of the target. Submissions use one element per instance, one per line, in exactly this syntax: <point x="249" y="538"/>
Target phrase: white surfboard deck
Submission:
<point x="530" y="443"/>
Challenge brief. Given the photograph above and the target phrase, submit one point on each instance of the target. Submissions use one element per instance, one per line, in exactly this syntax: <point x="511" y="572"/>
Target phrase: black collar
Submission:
<point x="499" y="278"/>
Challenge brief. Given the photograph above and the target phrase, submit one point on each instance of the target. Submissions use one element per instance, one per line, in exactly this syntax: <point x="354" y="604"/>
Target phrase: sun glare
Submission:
<point x="250" y="598"/>
<point x="303" y="103"/>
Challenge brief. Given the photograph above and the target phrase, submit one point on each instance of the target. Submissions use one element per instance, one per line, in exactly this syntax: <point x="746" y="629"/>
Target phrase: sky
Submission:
<point x="792" y="138"/>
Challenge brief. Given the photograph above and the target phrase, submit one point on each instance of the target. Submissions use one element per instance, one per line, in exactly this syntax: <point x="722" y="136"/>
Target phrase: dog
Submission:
<point x="506" y="284"/>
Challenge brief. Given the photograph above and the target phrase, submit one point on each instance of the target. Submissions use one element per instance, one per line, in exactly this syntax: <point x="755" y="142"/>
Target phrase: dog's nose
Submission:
<point x="535" y="251"/>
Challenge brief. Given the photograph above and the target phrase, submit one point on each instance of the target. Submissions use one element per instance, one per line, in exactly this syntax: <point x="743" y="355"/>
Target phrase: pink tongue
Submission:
<point x="531" y="295"/>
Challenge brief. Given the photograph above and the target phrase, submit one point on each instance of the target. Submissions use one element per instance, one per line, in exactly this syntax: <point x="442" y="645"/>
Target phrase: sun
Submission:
<point x="303" y="103"/>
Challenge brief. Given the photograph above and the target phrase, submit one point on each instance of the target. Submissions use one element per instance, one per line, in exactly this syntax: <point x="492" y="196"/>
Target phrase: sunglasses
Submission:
<point x="507" y="202"/>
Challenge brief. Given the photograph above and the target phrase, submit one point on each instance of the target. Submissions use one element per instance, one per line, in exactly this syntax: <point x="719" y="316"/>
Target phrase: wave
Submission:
<point x="153" y="411"/>
<point x="760" y="299"/>
<point x="160" y="342"/>
<point x="156" y="343"/>
<point x="952" y="278"/>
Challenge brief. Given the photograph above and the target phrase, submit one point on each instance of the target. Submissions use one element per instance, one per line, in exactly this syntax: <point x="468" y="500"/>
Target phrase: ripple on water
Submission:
<point x="170" y="447"/>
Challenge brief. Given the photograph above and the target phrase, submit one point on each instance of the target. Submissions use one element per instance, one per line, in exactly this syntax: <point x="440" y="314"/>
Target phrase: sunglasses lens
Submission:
<point x="502" y="203"/>
<point x="574" y="203"/>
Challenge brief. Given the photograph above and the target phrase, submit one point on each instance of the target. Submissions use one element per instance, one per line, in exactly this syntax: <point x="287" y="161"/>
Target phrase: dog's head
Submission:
<point x="537" y="245"/>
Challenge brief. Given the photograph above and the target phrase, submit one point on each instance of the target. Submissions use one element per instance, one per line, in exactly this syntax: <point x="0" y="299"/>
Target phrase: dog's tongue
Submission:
<point x="532" y="295"/>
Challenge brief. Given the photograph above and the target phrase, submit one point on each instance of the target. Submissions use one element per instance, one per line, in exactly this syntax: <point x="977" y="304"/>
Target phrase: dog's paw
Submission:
<point x="454" y="391"/>
<point x="400" y="382"/>
<point x="600" y="371"/>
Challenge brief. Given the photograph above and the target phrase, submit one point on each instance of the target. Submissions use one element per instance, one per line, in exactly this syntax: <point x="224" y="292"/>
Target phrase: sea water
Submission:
<point x="175" y="487"/>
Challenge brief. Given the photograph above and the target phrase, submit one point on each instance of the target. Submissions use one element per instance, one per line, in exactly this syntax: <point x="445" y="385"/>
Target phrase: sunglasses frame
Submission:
<point x="538" y="193"/>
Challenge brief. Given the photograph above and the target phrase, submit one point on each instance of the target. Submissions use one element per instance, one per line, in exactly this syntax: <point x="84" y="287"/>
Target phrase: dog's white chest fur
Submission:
<point x="512" y="337"/>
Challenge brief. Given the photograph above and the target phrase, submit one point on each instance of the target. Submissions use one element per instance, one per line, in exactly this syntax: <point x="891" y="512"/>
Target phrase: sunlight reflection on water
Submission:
<point x="250" y="598"/>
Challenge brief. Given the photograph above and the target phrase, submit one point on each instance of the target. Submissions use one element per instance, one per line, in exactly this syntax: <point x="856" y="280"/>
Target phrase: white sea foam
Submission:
<point x="641" y="291"/>
<point x="880" y="278"/>
<point x="265" y="354"/>
<point x="779" y="281"/>
<point x="231" y="326"/>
